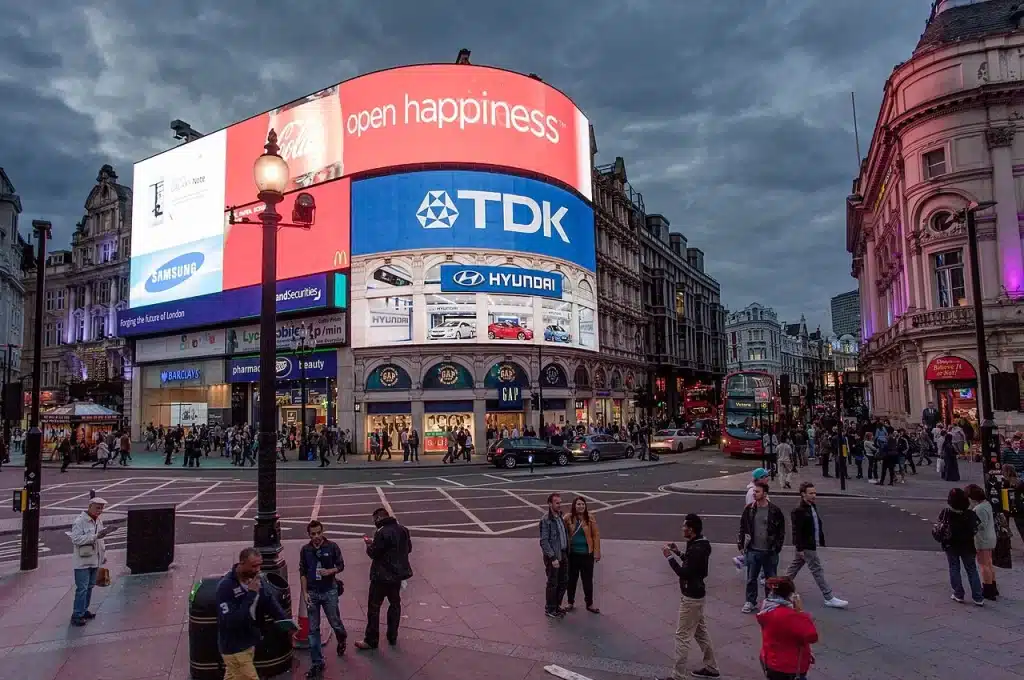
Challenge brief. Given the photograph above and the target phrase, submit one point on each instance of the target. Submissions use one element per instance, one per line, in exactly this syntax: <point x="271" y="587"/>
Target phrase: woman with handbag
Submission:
<point x="984" y="540"/>
<point x="584" y="552"/>
<point x="955" y="530"/>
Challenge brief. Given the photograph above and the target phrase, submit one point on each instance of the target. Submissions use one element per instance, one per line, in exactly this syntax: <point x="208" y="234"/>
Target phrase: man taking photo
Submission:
<point x="320" y="562"/>
<point x="389" y="551"/>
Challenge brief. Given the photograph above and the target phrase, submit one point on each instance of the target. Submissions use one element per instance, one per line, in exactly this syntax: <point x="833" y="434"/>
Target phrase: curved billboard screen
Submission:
<point x="444" y="210"/>
<point x="436" y="113"/>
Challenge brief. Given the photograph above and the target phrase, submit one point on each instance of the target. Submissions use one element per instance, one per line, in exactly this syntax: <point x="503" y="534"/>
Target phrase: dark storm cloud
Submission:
<point x="733" y="116"/>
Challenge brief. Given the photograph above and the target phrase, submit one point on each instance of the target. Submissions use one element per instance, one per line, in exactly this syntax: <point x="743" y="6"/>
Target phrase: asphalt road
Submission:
<point x="630" y="503"/>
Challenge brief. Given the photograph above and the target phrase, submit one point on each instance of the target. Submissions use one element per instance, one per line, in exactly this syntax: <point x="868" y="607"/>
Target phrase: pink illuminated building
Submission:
<point x="945" y="136"/>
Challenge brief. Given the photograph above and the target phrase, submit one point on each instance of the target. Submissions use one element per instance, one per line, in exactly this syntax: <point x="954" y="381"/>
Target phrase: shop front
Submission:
<point x="509" y="385"/>
<point x="388" y="417"/>
<point x="186" y="393"/>
<point x="582" y="407"/>
<point x="955" y="385"/>
<point x="313" y="373"/>
<point x="442" y="417"/>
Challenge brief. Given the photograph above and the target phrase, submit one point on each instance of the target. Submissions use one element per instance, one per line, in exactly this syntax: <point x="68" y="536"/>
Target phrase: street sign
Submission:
<point x="761" y="395"/>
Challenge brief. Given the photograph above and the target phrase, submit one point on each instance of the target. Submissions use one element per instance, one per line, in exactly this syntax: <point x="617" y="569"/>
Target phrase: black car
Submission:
<point x="508" y="453"/>
<point x="706" y="431"/>
<point x="597" y="447"/>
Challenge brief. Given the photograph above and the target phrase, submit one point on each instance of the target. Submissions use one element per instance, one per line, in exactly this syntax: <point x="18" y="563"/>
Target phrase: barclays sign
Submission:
<point x="457" y="278"/>
<point x="181" y="375"/>
<point x="465" y="209"/>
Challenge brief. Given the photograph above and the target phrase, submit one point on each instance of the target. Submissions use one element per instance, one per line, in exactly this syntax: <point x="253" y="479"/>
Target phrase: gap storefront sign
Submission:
<point x="319" y="291"/>
<point x="457" y="278"/>
<point x="288" y="367"/>
<point x="446" y="210"/>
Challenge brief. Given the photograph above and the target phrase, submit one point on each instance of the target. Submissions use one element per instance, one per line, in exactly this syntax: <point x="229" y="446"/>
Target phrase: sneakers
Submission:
<point x="88" y="616"/>
<point x="747" y="608"/>
<point x="705" y="673"/>
<point x="955" y="598"/>
<point x="739" y="562"/>
<point x="836" y="603"/>
<point x="78" y="623"/>
<point x="363" y="645"/>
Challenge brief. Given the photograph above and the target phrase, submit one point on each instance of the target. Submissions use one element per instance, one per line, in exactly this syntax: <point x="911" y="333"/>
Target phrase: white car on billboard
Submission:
<point x="453" y="329"/>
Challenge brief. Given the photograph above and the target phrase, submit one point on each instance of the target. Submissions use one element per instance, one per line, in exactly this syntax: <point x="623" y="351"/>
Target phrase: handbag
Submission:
<point x="102" y="577"/>
<point x="942" y="531"/>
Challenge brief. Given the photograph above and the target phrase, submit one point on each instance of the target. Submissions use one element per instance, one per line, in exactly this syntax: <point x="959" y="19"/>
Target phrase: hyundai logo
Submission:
<point x="468" y="278"/>
<point x="174" y="272"/>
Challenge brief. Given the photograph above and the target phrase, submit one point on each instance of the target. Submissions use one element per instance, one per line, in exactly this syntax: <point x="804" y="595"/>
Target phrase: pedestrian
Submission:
<point x="950" y="465"/>
<point x="388" y="551"/>
<point x="414" y="445"/>
<point x="787" y="632"/>
<point x="691" y="566"/>
<point x="787" y="460"/>
<point x="760" y="473"/>
<point x="1015" y="490"/>
<point x="65" y="453"/>
<point x="890" y="458"/>
<point x="241" y="605"/>
<point x="554" y="544"/>
<point x="584" y="553"/>
<point x="871" y="453"/>
<point x="761" y="536"/>
<point x="984" y="539"/>
<point x="955" y="530"/>
<point x="102" y="455"/>
<point x="125" y="445"/>
<point x="320" y="562"/>
<point x="88" y="555"/>
<point x="808" y="536"/>
<point x="324" y="449"/>
<point x="168" y="449"/>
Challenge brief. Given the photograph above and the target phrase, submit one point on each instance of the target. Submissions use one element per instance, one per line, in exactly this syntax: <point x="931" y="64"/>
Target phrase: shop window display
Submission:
<point x="391" y="424"/>
<point x="436" y="427"/>
<point x="507" y="421"/>
<point x="557" y="320"/>
<point x="587" y="336"/>
<point x="510" y="317"/>
<point x="451" y="317"/>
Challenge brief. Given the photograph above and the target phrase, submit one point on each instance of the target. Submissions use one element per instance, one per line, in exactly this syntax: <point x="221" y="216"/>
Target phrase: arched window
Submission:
<point x="581" y="377"/>
<point x="616" y="380"/>
<point x="433" y="274"/>
<point x="585" y="290"/>
<point x="600" y="379"/>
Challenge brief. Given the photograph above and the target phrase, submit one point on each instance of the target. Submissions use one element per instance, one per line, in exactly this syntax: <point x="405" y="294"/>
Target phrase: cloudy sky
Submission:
<point x="733" y="115"/>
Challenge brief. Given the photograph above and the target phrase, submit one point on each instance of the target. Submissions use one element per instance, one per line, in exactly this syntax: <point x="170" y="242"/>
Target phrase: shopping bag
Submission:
<point x="103" y="577"/>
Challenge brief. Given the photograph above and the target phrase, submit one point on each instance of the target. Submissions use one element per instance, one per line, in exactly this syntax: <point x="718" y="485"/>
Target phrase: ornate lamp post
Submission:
<point x="304" y="345"/>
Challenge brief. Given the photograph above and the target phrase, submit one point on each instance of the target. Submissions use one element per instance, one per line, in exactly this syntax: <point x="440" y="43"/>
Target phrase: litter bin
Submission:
<point x="274" y="652"/>
<point x="204" y="659"/>
<point x="150" y="540"/>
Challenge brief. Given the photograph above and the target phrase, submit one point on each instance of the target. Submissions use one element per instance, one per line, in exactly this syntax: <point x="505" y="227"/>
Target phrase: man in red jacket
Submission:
<point x="787" y="632"/>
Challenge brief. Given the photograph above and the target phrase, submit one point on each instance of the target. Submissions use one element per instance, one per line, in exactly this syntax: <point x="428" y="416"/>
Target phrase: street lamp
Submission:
<point x="989" y="441"/>
<point x="304" y="345"/>
<point x="271" y="176"/>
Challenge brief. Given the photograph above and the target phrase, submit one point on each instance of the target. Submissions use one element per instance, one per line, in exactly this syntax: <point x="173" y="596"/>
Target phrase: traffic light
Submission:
<point x="534" y="401"/>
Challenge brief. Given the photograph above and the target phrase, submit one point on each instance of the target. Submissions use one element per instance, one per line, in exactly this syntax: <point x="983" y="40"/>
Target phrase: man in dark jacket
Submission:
<point x="320" y="562"/>
<point x="389" y="551"/>
<point x="554" y="544"/>
<point x="692" y="569"/>
<point x="762" y="533"/>
<point x="808" y="534"/>
<point x="240" y="606"/>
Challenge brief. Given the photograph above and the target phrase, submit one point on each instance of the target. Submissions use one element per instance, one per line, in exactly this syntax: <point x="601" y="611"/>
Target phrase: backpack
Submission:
<point x="942" y="531"/>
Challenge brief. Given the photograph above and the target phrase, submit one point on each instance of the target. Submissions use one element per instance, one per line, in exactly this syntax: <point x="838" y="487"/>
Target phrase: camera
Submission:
<point x="304" y="211"/>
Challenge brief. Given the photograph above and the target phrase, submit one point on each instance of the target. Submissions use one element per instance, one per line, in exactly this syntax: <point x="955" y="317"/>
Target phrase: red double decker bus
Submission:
<point x="699" y="402"/>
<point x="750" y="403"/>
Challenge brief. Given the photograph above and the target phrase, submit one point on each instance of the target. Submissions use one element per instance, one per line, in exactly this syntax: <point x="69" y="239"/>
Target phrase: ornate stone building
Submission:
<point x="12" y="292"/>
<point x="82" y="356"/>
<point x="945" y="137"/>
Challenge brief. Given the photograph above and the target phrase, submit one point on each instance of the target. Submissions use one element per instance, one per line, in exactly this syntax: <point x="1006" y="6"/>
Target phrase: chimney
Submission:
<point x="463" y="57"/>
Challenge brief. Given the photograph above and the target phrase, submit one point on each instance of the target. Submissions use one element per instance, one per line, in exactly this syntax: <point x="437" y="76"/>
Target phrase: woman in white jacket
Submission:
<point x="87" y="534"/>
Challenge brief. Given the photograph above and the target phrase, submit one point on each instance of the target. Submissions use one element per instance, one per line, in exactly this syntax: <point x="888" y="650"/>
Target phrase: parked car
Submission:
<point x="454" y="329"/>
<point x="673" y="441"/>
<point x="706" y="431"/>
<point x="508" y="330"/>
<point x="555" y="333"/>
<point x="599" y="446"/>
<point x="508" y="453"/>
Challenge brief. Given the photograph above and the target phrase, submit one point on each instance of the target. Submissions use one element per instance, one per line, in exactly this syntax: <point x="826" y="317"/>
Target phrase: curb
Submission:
<point x="313" y="465"/>
<point x="779" y="492"/>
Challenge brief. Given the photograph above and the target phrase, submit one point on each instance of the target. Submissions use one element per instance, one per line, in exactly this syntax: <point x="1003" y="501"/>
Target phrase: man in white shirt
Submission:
<point x="87" y="534"/>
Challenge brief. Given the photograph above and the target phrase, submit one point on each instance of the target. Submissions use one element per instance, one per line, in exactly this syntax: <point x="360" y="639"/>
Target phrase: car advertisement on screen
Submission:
<point x="463" y="209"/>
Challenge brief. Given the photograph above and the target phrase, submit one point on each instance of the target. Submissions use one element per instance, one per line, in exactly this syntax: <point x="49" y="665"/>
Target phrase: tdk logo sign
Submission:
<point x="513" y="280"/>
<point x="438" y="211"/>
<point x="174" y="272"/>
<point x="468" y="278"/>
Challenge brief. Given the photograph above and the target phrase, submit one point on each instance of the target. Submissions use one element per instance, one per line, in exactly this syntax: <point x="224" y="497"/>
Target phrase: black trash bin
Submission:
<point x="274" y="653"/>
<point x="204" y="659"/>
<point x="150" y="540"/>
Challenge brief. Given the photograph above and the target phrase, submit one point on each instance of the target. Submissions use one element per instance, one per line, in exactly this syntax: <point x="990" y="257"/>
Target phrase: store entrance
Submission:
<point x="958" y="402"/>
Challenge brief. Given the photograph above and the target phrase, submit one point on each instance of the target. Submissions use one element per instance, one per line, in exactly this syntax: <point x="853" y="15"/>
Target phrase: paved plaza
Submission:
<point x="474" y="610"/>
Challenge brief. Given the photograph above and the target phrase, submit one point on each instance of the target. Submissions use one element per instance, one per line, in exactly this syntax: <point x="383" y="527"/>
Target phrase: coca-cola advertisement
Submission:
<point x="310" y="134"/>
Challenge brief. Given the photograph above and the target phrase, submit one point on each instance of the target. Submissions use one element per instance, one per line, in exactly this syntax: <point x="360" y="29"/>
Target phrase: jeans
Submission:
<point x="328" y="601"/>
<point x="973" y="579"/>
<point x="581" y="565"/>
<point x="888" y="465"/>
<point x="810" y="449"/>
<point x="813" y="562"/>
<point x="380" y="591"/>
<point x="692" y="625"/>
<point x="872" y="468"/>
<point x="557" y="582"/>
<point x="758" y="561"/>
<point x="85" y="581"/>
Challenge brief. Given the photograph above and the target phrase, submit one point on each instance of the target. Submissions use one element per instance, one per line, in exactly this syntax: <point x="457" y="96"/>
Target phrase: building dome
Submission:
<point x="847" y="338"/>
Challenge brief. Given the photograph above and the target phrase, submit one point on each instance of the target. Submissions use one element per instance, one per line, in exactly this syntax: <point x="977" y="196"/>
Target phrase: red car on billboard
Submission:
<point x="508" y="330"/>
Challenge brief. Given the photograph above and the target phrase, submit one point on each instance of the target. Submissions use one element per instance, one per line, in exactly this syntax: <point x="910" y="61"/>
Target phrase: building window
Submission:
<point x="80" y="330"/>
<point x="79" y="297"/>
<point x="755" y="355"/>
<point x="99" y="327"/>
<point x="48" y="336"/>
<point x="941" y="221"/>
<point x="107" y="249"/>
<point x="51" y="300"/>
<point x="58" y="328"/>
<point x="934" y="163"/>
<point x="950" y="288"/>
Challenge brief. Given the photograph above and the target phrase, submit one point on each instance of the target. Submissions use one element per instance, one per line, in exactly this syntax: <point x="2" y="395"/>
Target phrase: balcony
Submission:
<point x="949" y="320"/>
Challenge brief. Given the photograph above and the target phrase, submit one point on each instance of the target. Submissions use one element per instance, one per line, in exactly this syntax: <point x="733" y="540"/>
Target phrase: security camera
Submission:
<point x="304" y="211"/>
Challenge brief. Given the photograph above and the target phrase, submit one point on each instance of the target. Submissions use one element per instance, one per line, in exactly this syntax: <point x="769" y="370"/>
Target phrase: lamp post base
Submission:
<point x="267" y="539"/>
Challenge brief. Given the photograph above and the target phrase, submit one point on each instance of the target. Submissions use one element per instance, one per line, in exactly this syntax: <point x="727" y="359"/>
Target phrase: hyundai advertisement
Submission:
<point x="466" y="209"/>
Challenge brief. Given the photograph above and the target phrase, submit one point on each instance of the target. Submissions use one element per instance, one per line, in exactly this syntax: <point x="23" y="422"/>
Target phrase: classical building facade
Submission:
<point x="846" y="314"/>
<point x="12" y="292"/>
<point x="82" y="357"/>
<point x="945" y="138"/>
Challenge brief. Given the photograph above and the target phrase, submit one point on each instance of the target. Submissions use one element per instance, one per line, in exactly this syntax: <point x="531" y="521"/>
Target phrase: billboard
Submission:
<point x="288" y="367"/>
<point x="446" y="210"/>
<point x="457" y="278"/>
<point x="182" y="246"/>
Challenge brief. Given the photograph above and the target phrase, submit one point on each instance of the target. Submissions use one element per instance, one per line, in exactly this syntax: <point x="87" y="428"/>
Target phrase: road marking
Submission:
<point x="241" y="513"/>
<point x="316" y="503"/>
<point x="209" y="524"/>
<point x="390" y="483"/>
<point x="671" y="514"/>
<point x="473" y="518"/>
<point x="498" y="477"/>
<point x="384" y="500"/>
<point x="82" y="495"/>
<point x="614" y="506"/>
<point x="524" y="501"/>
<point x="140" y="495"/>
<point x="563" y="673"/>
<point x="445" y="479"/>
<point x="198" y="495"/>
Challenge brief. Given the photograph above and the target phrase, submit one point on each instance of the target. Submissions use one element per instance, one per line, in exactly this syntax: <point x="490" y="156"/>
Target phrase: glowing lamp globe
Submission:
<point x="271" y="173"/>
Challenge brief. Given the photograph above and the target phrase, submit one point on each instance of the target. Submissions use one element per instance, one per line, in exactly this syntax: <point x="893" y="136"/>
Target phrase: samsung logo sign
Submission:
<point x="174" y="272"/>
<point x="180" y="375"/>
